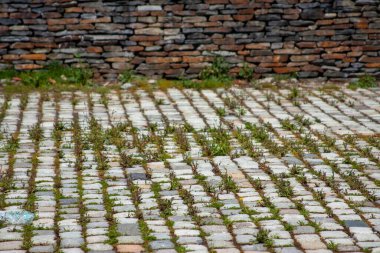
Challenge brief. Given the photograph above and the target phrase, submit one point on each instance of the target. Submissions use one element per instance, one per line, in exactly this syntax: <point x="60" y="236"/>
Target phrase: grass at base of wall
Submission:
<point x="20" y="88"/>
<point x="8" y="73"/>
<point x="209" y="83"/>
<point x="213" y="76"/>
<point x="57" y="77"/>
<point x="53" y="74"/>
<point x="141" y="82"/>
<point x="54" y="77"/>
<point x="364" y="82"/>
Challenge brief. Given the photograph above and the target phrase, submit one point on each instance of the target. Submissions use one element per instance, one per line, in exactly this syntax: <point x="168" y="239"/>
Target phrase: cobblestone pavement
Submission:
<point x="238" y="170"/>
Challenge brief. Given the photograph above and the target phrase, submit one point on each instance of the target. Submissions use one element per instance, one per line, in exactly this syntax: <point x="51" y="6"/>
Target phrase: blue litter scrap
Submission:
<point x="16" y="217"/>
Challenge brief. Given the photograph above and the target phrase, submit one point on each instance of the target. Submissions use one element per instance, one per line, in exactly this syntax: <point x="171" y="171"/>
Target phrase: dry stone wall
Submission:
<point x="334" y="39"/>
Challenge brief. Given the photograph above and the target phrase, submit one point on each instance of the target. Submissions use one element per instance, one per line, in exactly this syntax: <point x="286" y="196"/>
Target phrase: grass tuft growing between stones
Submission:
<point x="263" y="237"/>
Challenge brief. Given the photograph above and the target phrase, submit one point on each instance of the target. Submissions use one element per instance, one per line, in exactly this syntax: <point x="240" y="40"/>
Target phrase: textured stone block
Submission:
<point x="262" y="45"/>
<point x="366" y="58"/>
<point x="22" y="45"/>
<point x="96" y="20"/>
<point x="149" y="31"/>
<point x="286" y="70"/>
<point x="149" y="8"/>
<point x="163" y="59"/>
<point x="312" y="14"/>
<point x="10" y="21"/>
<point x="142" y="38"/>
<point x="62" y="21"/>
<point x="297" y="58"/>
<point x="94" y="49"/>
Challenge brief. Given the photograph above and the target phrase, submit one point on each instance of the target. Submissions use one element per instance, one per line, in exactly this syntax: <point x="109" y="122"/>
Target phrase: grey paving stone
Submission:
<point x="355" y="223"/>
<point x="72" y="250"/>
<point x="288" y="250"/>
<point x="164" y="244"/>
<point x="10" y="245"/>
<point x="72" y="242"/>
<point x="128" y="229"/>
<point x="100" y="247"/>
<point x="304" y="230"/>
<point x="310" y="242"/>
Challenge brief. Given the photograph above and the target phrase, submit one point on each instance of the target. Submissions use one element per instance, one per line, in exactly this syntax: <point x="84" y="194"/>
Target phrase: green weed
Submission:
<point x="285" y="189"/>
<point x="285" y="77"/>
<point x="126" y="76"/>
<point x="218" y="70"/>
<point x="8" y="73"/>
<point x="263" y="237"/>
<point x="332" y="246"/>
<point x="246" y="72"/>
<point x="221" y="111"/>
<point x="228" y="184"/>
<point x="364" y="82"/>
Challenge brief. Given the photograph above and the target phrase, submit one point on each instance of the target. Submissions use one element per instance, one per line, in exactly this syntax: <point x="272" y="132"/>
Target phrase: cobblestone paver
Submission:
<point x="237" y="170"/>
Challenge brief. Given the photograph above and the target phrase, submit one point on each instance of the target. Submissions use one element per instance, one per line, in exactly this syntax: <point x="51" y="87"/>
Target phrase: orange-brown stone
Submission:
<point x="62" y="21"/>
<point x="23" y="45"/>
<point x="286" y="70"/>
<point x="37" y="57"/>
<point x="163" y="59"/>
<point x="263" y="45"/>
<point x="28" y="66"/>
<point x="94" y="49"/>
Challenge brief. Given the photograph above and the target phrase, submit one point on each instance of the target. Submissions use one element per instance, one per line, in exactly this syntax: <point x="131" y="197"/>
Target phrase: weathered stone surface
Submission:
<point x="310" y="242"/>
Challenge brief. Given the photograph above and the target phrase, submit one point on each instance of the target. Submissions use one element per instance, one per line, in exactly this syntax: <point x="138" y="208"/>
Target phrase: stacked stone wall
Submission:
<point x="333" y="39"/>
